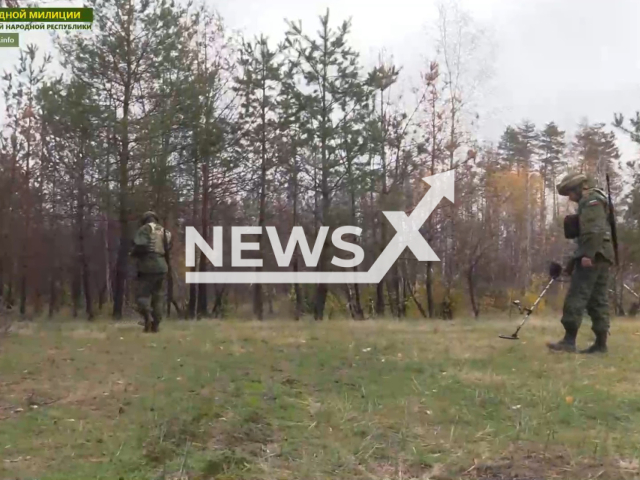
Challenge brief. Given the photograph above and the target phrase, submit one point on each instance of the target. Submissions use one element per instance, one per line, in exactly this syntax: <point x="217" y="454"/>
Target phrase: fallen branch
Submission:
<point x="418" y="304"/>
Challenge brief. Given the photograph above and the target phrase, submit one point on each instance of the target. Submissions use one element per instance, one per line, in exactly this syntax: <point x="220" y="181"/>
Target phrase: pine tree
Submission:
<point x="435" y="153"/>
<point x="508" y="148"/>
<point x="258" y="86"/>
<point x="596" y="153"/>
<point x="381" y="79"/>
<point x="25" y="118"/>
<point x="74" y="118"/>
<point x="330" y="69"/>
<point x="552" y="146"/>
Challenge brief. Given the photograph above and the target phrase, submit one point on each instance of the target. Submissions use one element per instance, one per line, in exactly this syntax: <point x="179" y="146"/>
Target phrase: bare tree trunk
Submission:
<point x="27" y="228"/>
<point x="380" y="298"/>
<point x="170" y="299"/>
<point x="107" y="263"/>
<point x="543" y="213"/>
<point x="323" y="263"/>
<point x="530" y="217"/>
<point x="298" y="308"/>
<point x="83" y="264"/>
<point x="123" y="194"/>
<point x="10" y="300"/>
<point x="87" y="287"/>
<point x="394" y="290"/>
<point x="76" y="287"/>
<point x="2" y="263"/>
<point x="193" y="292"/>
<point x="358" y="314"/>
<point x="83" y="272"/>
<point x="383" y="225"/>
<point x="429" y="285"/>
<point x="472" y="295"/>
<point x="555" y="197"/>
<point x="430" y="223"/>
<point x="8" y="239"/>
<point x="400" y="287"/>
<point x="357" y="304"/>
<point x="322" y="290"/>
<point x="53" y="294"/>
<point x="218" y="311"/>
<point x="258" y="308"/>
<point x="108" y="282"/>
<point x="392" y="303"/>
<point x="53" y="274"/>
<point x="202" y="287"/>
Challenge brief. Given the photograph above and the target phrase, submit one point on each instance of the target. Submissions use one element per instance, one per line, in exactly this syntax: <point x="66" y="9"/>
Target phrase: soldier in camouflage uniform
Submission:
<point x="589" y="266"/>
<point x="447" y="308"/>
<point x="149" y="245"/>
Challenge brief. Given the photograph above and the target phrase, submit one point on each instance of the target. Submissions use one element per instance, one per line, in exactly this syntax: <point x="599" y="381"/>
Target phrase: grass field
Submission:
<point x="329" y="400"/>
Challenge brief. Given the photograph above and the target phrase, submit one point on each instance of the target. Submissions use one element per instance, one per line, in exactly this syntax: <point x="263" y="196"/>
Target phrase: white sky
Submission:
<point x="560" y="60"/>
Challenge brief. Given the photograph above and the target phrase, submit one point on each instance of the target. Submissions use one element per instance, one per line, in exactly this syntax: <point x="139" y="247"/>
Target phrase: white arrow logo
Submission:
<point x="407" y="235"/>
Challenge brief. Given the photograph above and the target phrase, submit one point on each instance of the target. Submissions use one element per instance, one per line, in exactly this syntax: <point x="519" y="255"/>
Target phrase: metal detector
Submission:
<point x="555" y="270"/>
<point x="634" y="293"/>
<point x="630" y="291"/>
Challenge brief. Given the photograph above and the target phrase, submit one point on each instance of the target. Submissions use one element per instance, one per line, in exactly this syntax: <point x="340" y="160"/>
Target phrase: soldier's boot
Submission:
<point x="599" y="346"/>
<point x="147" y="322"/>
<point x="568" y="343"/>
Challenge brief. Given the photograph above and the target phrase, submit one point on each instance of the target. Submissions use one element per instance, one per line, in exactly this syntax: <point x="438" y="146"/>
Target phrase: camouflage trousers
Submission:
<point x="149" y="295"/>
<point x="588" y="290"/>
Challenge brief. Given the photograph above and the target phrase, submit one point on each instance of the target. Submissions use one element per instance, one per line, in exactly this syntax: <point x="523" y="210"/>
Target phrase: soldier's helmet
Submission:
<point x="147" y="216"/>
<point x="570" y="182"/>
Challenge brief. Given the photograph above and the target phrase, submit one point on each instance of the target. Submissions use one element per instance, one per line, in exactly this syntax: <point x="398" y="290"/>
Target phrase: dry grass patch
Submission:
<point x="87" y="334"/>
<point x="481" y="378"/>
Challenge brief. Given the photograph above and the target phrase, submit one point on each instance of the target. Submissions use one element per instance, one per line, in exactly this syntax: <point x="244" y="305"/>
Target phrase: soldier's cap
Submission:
<point x="570" y="182"/>
<point x="147" y="215"/>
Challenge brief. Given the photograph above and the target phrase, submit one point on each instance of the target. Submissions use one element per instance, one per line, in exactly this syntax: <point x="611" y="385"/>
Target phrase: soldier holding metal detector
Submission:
<point x="593" y="228"/>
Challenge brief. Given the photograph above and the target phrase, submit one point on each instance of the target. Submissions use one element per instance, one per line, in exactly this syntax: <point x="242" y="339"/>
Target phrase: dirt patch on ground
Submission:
<point x="22" y="396"/>
<point x="86" y="393"/>
<point x="22" y="328"/>
<point x="404" y="470"/>
<point x="87" y="333"/>
<point x="524" y="463"/>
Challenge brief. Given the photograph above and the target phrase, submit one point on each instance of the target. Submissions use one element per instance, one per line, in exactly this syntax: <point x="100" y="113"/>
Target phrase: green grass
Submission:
<point x="329" y="400"/>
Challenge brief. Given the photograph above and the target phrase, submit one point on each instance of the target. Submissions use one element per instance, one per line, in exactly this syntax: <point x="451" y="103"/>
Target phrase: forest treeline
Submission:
<point x="161" y="107"/>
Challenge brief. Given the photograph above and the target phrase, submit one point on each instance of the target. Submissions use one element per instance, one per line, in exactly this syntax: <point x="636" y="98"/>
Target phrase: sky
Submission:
<point x="555" y="60"/>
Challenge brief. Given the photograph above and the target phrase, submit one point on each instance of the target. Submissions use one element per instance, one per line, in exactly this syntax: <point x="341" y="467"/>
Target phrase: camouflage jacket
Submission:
<point x="149" y="248"/>
<point x="595" y="230"/>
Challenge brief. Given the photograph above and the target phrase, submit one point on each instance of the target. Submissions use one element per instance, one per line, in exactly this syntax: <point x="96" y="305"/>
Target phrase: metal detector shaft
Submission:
<point x="634" y="293"/>
<point x="530" y="310"/>
<point x="526" y="317"/>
